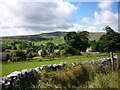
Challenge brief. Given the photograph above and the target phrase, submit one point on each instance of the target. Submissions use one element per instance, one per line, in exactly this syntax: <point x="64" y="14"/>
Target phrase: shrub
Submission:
<point x="32" y="54"/>
<point x="56" y="54"/>
<point x="70" y="50"/>
<point x="18" y="55"/>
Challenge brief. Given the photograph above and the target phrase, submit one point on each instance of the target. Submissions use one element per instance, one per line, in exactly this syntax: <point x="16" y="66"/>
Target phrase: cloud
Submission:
<point x="105" y="5"/>
<point x="76" y="27"/>
<point x="86" y="20"/>
<point x="35" y="17"/>
<point x="104" y="17"/>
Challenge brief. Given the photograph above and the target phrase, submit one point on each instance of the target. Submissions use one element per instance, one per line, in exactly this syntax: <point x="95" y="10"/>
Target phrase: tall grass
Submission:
<point x="81" y="76"/>
<point x="73" y="77"/>
<point x="109" y="80"/>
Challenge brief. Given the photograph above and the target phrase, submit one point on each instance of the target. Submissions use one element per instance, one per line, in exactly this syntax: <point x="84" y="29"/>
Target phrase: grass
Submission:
<point x="18" y="66"/>
<point x="109" y="80"/>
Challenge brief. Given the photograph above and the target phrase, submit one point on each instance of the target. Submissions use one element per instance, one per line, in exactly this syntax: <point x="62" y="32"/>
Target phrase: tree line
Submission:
<point x="75" y="43"/>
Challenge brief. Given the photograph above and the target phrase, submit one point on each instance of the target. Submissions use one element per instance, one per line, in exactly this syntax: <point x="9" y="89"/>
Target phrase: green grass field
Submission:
<point x="18" y="66"/>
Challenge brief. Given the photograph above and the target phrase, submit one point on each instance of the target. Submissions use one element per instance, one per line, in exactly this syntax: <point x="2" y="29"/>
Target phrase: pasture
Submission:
<point x="18" y="66"/>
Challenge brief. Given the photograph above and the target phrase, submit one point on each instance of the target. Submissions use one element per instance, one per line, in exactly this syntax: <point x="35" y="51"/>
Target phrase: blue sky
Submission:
<point x="28" y="18"/>
<point x="87" y="9"/>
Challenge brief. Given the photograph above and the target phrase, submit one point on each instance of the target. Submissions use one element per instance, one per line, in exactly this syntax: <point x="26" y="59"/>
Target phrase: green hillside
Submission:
<point x="55" y="37"/>
<point x="95" y="35"/>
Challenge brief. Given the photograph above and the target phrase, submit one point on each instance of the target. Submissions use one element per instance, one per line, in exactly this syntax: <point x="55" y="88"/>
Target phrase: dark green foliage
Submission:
<point x="32" y="54"/>
<point x="50" y="47"/>
<point x="78" y="41"/>
<point x="14" y="48"/>
<point x="23" y="45"/>
<point x="31" y="50"/>
<point x="43" y="53"/>
<point x="108" y="42"/>
<point x="84" y="37"/>
<point x="72" y="39"/>
<point x="70" y="50"/>
<point x="61" y="46"/>
<point x="7" y="57"/>
<point x="6" y="46"/>
<point x="18" y="56"/>
<point x="56" y="54"/>
<point x="108" y="29"/>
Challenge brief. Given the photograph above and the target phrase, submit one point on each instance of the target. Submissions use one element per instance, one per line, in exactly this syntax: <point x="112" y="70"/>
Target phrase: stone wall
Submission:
<point x="12" y="78"/>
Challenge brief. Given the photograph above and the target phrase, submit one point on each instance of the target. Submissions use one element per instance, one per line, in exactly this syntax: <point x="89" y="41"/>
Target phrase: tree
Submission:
<point x="23" y="45"/>
<point x="110" y="42"/>
<point x="85" y="41"/>
<point x="14" y="48"/>
<point x="50" y="47"/>
<point x="7" y="57"/>
<point x="78" y="41"/>
<point x="32" y="54"/>
<point x="70" y="50"/>
<point x="18" y="55"/>
<point x="108" y="29"/>
<point x="43" y="53"/>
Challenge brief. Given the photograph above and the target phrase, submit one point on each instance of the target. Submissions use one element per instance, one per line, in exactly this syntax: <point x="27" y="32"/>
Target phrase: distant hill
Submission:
<point x="53" y="35"/>
<point x="95" y="35"/>
<point x="38" y="37"/>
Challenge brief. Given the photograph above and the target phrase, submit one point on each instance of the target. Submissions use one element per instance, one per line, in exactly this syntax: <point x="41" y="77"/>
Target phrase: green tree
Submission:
<point x="14" y="48"/>
<point x="43" y="53"/>
<point x="84" y="35"/>
<point x="32" y="54"/>
<point x="18" y="55"/>
<point x="7" y="57"/>
<point x="110" y="42"/>
<point x="50" y="47"/>
<point x="70" y="50"/>
<point x="23" y="45"/>
<point x="78" y="41"/>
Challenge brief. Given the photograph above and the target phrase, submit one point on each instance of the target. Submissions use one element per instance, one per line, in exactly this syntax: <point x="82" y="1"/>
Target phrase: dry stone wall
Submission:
<point x="12" y="78"/>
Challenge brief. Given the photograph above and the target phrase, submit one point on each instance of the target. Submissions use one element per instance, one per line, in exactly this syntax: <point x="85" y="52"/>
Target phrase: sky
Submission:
<point x="28" y="18"/>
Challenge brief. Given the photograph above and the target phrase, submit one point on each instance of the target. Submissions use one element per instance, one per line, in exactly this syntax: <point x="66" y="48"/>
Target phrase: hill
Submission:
<point x="56" y="37"/>
<point x="38" y="37"/>
<point x="95" y="35"/>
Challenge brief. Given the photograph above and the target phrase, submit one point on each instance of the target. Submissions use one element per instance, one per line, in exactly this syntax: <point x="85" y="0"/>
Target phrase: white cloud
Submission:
<point x="105" y="5"/>
<point x="35" y="17"/>
<point x="86" y="20"/>
<point x="104" y="17"/>
<point x="76" y="27"/>
<point x="93" y="29"/>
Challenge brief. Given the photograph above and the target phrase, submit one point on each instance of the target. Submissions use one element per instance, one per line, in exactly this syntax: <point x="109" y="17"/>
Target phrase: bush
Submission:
<point x="18" y="55"/>
<point x="56" y="54"/>
<point x="70" y="50"/>
<point x="32" y="54"/>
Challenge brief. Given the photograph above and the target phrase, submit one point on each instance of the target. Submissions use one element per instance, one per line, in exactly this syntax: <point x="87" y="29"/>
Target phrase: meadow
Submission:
<point x="18" y="66"/>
